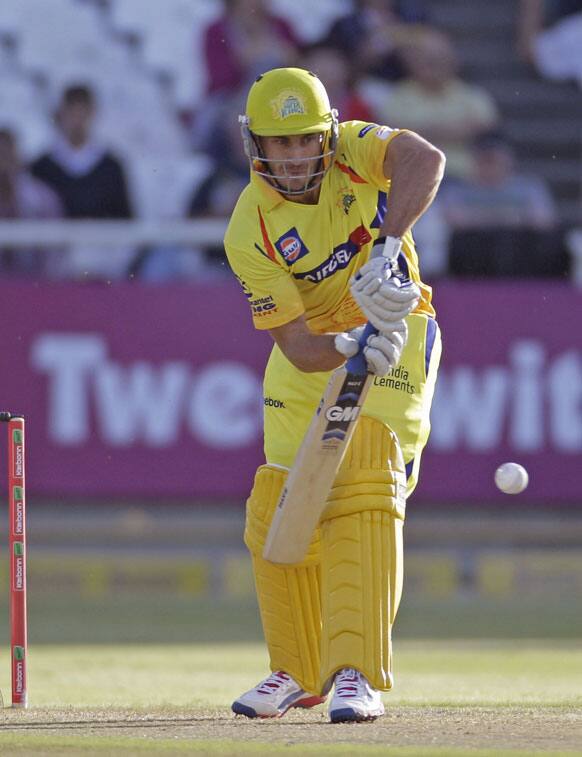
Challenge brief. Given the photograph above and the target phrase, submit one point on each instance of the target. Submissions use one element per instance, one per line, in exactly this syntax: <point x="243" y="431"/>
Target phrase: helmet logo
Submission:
<point x="287" y="104"/>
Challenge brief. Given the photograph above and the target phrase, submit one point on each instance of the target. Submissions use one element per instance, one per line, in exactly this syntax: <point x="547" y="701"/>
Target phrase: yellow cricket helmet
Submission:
<point x="287" y="102"/>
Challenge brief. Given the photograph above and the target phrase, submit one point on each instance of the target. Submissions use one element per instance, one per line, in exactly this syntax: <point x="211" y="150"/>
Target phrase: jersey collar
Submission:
<point x="269" y="195"/>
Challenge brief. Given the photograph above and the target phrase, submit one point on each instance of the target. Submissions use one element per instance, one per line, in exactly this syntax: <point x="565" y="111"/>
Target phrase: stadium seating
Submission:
<point x="145" y="60"/>
<point x="146" y="67"/>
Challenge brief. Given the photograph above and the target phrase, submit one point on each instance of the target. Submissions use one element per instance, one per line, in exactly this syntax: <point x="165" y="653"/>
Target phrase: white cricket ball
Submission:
<point x="511" y="478"/>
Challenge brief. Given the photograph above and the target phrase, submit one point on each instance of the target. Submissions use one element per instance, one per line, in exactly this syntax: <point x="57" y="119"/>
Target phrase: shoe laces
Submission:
<point x="274" y="682"/>
<point x="347" y="683"/>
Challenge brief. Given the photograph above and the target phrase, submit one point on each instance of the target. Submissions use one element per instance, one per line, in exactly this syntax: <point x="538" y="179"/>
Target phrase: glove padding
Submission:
<point x="382" y="351"/>
<point x="381" y="296"/>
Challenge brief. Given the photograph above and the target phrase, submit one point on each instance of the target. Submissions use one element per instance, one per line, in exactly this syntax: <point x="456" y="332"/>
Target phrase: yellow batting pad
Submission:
<point x="289" y="597"/>
<point x="361" y="586"/>
<point x="372" y="475"/>
<point x="261" y="505"/>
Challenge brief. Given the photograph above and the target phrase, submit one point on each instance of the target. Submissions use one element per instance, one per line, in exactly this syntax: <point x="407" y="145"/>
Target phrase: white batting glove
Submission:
<point x="382" y="351"/>
<point x="382" y="297"/>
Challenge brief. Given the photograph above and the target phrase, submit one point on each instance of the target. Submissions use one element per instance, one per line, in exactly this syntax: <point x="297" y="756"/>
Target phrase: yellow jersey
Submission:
<point x="293" y="259"/>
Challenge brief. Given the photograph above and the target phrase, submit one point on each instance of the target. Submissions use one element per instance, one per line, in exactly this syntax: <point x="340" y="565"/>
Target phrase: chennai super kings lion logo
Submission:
<point x="346" y="201"/>
<point x="287" y="104"/>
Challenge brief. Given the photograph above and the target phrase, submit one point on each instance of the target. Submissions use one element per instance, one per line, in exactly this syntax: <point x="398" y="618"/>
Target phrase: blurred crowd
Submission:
<point x="385" y="61"/>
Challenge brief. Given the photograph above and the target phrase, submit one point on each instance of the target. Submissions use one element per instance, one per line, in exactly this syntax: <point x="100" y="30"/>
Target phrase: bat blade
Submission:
<point x="305" y="493"/>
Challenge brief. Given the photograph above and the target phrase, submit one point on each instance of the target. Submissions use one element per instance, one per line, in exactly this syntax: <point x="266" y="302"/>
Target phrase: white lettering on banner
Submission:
<point x="142" y="402"/>
<point x="526" y="431"/>
<point x="535" y="399"/>
<point x="68" y="359"/>
<point x="225" y="408"/>
<point x="469" y="407"/>
<point x="565" y="392"/>
<point x="532" y="401"/>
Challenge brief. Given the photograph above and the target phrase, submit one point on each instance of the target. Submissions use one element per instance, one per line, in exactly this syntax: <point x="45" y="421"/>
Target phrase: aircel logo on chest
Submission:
<point x="340" y="257"/>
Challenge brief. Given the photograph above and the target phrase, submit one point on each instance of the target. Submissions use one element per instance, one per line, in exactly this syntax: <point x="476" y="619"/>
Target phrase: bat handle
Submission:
<point x="357" y="364"/>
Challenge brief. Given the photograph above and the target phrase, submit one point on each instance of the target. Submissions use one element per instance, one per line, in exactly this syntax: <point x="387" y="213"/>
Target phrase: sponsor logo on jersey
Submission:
<point x="291" y="246"/>
<point x="263" y="306"/>
<point x="398" y="379"/>
<point x="366" y="129"/>
<point x="383" y="132"/>
<point x="270" y="402"/>
<point x="340" y="257"/>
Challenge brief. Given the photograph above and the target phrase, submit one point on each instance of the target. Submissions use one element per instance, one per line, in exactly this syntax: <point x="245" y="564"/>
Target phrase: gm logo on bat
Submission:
<point x="338" y="413"/>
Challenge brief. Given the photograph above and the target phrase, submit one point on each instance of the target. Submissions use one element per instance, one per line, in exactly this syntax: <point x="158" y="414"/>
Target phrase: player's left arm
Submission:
<point x="415" y="169"/>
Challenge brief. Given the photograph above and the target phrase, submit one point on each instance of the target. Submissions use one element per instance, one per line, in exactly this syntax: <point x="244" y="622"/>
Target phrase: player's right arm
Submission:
<point x="307" y="351"/>
<point x="276" y="306"/>
<point x="275" y="302"/>
<point x="323" y="352"/>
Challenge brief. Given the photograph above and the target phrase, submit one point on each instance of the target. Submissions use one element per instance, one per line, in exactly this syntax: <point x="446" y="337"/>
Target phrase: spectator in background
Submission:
<point x="88" y="178"/>
<point x="503" y="223"/>
<point x="91" y="183"/>
<point x="337" y="74"/>
<point x="219" y="192"/>
<point x="23" y="197"/>
<point x="436" y="103"/>
<point x="370" y="37"/>
<point x="549" y="37"/>
<point x="214" y="197"/>
<point x="243" y="43"/>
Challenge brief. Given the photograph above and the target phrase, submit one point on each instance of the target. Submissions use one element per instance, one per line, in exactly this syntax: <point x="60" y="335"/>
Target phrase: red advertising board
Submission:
<point x="143" y="390"/>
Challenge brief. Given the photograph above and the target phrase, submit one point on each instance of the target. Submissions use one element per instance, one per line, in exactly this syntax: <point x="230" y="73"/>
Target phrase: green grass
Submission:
<point x="227" y="748"/>
<point x="109" y="699"/>
<point x="140" y="674"/>
<point x="452" y="673"/>
<point x="116" y="746"/>
<point x="58" y="618"/>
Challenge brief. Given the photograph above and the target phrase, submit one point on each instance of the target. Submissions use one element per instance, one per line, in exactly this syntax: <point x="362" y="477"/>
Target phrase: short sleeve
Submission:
<point x="362" y="149"/>
<point x="271" y="293"/>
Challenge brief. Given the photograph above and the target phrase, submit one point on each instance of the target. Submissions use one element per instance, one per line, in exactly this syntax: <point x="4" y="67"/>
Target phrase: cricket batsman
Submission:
<point x="322" y="195"/>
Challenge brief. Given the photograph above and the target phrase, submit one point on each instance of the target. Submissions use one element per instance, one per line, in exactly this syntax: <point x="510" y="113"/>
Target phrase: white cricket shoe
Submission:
<point x="273" y="697"/>
<point x="354" y="699"/>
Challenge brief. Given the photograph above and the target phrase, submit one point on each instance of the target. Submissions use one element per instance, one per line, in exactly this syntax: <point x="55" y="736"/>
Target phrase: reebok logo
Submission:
<point x="270" y="402"/>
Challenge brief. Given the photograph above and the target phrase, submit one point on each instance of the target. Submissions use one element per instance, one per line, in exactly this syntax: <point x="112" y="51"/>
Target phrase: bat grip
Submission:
<point x="357" y="364"/>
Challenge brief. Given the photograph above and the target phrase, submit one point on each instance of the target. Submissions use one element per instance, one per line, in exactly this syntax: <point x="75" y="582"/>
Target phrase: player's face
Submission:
<point x="293" y="160"/>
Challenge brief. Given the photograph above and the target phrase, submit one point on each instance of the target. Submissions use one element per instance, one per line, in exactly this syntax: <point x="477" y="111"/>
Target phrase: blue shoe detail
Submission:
<point x="242" y="709"/>
<point x="347" y="715"/>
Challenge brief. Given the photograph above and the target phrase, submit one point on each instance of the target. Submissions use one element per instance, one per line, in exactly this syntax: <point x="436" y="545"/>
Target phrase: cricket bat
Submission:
<point x="304" y="496"/>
